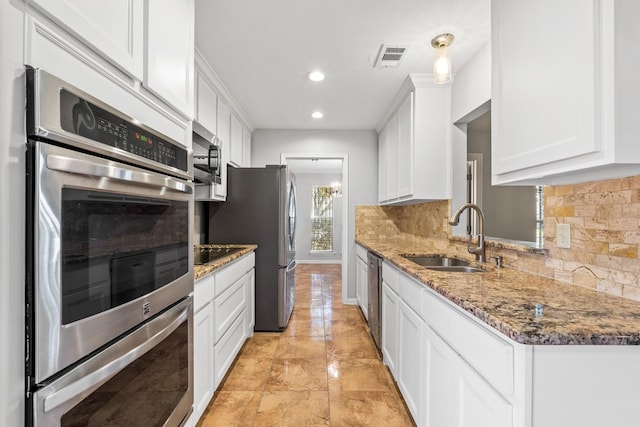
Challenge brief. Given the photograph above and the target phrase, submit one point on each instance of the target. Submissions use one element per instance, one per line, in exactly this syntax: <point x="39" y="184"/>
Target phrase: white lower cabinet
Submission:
<point x="439" y="380"/>
<point x="203" y="380"/>
<point x="454" y="370"/>
<point x="478" y="404"/>
<point x="450" y="372"/>
<point x="410" y="363"/>
<point x="389" y="327"/>
<point x="223" y="320"/>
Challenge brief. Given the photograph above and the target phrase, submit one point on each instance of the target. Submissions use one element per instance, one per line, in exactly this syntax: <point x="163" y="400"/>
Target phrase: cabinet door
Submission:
<point x="246" y="147"/>
<point x="251" y="301"/>
<point x="410" y="359"/>
<point x="203" y="376"/>
<point x="206" y="104"/>
<point x="545" y="95"/>
<point x="235" y="140"/>
<point x="392" y="155"/>
<point x="362" y="285"/>
<point x="115" y="28"/>
<point x="404" y="158"/>
<point x="389" y="327"/>
<point x="440" y="397"/>
<point x="383" y="168"/>
<point x="170" y="52"/>
<point x="480" y="405"/>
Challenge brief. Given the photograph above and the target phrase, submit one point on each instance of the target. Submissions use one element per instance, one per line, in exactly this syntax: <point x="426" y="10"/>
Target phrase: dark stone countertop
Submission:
<point x="200" y="271"/>
<point x="505" y="299"/>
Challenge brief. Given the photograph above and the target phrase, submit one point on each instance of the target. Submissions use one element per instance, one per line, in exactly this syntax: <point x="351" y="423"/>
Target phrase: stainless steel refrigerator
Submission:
<point x="261" y="209"/>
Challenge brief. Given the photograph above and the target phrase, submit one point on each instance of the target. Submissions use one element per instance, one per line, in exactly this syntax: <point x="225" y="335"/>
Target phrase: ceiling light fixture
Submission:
<point x="316" y="76"/>
<point x="442" y="58"/>
<point x="317" y="115"/>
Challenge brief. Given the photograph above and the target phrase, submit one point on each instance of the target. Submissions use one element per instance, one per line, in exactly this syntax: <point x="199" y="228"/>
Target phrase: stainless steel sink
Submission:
<point x="443" y="263"/>
<point x="458" y="268"/>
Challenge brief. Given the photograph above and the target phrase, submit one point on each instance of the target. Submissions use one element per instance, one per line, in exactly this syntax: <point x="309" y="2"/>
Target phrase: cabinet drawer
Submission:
<point x="228" y="306"/>
<point x="361" y="253"/>
<point x="203" y="291"/>
<point x="410" y="292"/>
<point x="490" y="355"/>
<point x="230" y="273"/>
<point x="390" y="276"/>
<point x="228" y="347"/>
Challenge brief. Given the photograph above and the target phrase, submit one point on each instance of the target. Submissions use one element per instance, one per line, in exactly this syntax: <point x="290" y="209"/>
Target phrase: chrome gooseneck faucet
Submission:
<point x="455" y="219"/>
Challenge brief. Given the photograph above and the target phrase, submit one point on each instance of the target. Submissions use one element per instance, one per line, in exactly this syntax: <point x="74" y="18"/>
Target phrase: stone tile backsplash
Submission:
<point x="604" y="217"/>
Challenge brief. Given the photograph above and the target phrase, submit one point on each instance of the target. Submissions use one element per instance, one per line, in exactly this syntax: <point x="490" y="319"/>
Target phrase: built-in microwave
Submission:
<point x="207" y="156"/>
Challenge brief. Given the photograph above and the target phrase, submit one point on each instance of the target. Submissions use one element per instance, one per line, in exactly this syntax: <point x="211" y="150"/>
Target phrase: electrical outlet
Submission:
<point x="563" y="236"/>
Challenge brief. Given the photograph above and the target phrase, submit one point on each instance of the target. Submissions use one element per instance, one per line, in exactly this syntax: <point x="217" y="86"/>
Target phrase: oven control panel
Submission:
<point x="86" y="119"/>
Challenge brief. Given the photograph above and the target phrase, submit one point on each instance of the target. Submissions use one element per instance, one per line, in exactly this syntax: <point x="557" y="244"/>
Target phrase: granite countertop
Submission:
<point x="200" y="271"/>
<point x="505" y="299"/>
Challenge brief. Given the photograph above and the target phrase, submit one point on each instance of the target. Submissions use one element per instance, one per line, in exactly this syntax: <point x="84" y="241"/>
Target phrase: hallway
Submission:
<point x="323" y="370"/>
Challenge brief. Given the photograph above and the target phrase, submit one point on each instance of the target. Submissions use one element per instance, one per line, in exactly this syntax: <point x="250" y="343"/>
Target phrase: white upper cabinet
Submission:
<point x="564" y="94"/>
<point x="235" y="140"/>
<point x="414" y="158"/>
<point x="114" y="28"/>
<point x="206" y="104"/>
<point x="170" y="52"/>
<point x="246" y="147"/>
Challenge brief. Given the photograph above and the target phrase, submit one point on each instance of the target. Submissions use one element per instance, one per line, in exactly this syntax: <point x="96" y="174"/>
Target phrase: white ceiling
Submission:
<point x="263" y="49"/>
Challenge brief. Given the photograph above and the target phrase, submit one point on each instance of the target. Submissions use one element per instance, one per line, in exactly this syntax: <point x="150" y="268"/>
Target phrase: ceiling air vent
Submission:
<point x="390" y="55"/>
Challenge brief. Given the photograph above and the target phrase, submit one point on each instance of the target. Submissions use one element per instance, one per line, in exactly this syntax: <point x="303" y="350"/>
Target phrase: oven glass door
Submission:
<point x="144" y="379"/>
<point x="112" y="248"/>
<point x="116" y="248"/>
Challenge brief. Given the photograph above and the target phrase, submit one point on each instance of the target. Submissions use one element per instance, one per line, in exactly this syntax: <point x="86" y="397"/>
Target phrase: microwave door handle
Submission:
<point x="84" y="167"/>
<point x="211" y="151"/>
<point x="84" y="386"/>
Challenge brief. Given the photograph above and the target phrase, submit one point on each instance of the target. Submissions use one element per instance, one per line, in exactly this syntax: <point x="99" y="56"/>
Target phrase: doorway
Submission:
<point x="328" y="171"/>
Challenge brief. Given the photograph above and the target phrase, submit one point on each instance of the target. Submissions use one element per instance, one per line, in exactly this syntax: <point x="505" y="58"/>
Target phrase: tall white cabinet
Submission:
<point x="565" y="94"/>
<point x="414" y="152"/>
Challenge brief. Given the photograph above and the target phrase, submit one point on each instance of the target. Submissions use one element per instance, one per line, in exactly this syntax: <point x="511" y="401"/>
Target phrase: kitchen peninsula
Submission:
<point x="471" y="349"/>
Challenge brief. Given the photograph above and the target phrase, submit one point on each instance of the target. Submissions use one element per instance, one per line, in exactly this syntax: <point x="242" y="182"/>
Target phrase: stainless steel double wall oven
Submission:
<point x="109" y="265"/>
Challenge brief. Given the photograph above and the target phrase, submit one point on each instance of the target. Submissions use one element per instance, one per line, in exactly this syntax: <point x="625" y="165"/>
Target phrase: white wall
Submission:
<point x="470" y="98"/>
<point x="304" y="185"/>
<point x="360" y="145"/>
<point x="12" y="222"/>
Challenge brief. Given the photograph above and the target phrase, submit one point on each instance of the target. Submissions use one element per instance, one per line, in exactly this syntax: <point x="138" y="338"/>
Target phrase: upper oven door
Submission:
<point x="112" y="246"/>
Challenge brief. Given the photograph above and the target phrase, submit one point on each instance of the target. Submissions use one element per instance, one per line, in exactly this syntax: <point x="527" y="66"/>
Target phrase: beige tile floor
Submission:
<point x="323" y="370"/>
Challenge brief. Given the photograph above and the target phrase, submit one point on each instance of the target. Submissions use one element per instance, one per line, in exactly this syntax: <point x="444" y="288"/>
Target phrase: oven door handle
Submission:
<point x="78" y="390"/>
<point x="86" y="167"/>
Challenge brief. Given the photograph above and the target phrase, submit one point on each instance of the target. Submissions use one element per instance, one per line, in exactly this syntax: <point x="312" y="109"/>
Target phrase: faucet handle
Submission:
<point x="499" y="259"/>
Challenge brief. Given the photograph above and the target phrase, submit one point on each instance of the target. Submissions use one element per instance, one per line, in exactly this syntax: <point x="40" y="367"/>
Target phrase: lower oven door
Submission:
<point x="143" y="379"/>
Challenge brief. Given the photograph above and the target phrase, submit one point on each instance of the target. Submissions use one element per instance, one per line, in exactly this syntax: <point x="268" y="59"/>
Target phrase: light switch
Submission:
<point x="563" y="236"/>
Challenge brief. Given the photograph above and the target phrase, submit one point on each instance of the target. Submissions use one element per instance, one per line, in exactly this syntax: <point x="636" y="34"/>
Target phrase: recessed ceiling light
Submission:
<point x="316" y="76"/>
<point x="317" y="115"/>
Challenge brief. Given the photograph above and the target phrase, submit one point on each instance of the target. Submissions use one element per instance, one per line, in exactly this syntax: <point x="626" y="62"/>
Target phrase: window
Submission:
<point x="321" y="218"/>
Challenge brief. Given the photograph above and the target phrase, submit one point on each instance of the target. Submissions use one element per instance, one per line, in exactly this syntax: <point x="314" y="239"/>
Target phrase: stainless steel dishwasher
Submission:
<point x="374" y="307"/>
